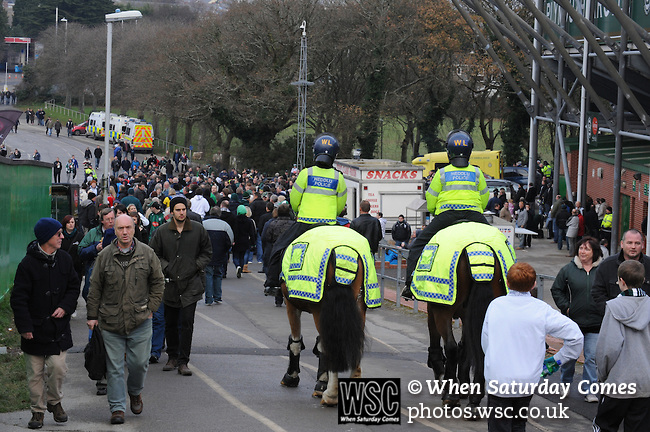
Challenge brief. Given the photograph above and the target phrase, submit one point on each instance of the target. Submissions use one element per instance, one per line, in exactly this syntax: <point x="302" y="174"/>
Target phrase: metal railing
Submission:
<point x="52" y="108"/>
<point x="400" y="278"/>
<point x="160" y="146"/>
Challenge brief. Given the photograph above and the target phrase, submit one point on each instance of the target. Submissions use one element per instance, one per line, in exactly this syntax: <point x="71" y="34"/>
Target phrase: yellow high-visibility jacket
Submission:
<point x="318" y="195"/>
<point x="454" y="188"/>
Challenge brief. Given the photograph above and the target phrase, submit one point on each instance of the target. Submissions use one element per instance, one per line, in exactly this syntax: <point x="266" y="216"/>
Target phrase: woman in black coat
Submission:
<point x="245" y="236"/>
<point x="71" y="238"/>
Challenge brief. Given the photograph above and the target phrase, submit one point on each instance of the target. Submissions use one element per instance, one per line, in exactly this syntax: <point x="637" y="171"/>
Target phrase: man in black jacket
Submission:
<point x="605" y="285"/>
<point x="222" y="238"/>
<point x="98" y="155"/>
<point x="44" y="296"/>
<point x="367" y="226"/>
<point x="401" y="232"/>
<point x="258" y="208"/>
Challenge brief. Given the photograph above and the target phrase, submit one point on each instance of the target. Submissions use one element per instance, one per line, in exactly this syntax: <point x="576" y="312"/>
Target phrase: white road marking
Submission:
<point x="425" y="422"/>
<point x="236" y="402"/>
<point x="232" y="330"/>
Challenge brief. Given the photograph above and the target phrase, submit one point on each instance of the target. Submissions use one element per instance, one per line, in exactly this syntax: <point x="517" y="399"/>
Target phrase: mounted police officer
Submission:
<point x="458" y="192"/>
<point x="317" y="197"/>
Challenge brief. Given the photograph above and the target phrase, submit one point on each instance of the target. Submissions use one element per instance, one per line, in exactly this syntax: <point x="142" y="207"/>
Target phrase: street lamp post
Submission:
<point x="110" y="19"/>
<point x="65" y="46"/>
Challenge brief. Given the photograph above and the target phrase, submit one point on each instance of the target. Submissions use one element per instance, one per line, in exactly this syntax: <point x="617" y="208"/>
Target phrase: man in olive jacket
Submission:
<point x="126" y="287"/>
<point x="184" y="249"/>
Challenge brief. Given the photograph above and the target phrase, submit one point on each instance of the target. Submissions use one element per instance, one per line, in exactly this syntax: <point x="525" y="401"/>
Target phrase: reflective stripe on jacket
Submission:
<point x="318" y="195"/>
<point x="455" y="188"/>
<point x="607" y="222"/>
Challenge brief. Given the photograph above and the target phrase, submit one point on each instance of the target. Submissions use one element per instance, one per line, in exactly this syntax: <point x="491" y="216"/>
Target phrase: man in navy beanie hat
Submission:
<point x="44" y="296"/>
<point x="45" y="228"/>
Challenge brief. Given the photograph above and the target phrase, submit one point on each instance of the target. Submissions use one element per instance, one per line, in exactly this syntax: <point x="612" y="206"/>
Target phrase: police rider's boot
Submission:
<point x="406" y="291"/>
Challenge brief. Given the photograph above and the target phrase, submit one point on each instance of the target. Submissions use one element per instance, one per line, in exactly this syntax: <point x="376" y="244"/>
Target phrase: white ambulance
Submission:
<point x="390" y="186"/>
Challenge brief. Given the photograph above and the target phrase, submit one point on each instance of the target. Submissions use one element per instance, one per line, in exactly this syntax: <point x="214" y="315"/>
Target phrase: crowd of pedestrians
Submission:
<point x="164" y="241"/>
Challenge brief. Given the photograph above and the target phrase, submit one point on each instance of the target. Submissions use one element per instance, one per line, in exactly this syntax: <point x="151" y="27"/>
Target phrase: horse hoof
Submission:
<point x="474" y="416"/>
<point x="453" y="403"/>
<point x="289" y="381"/>
<point x="320" y="387"/>
<point x="329" y="402"/>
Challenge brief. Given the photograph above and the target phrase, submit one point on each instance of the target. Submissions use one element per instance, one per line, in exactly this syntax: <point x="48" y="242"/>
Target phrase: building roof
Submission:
<point x="636" y="153"/>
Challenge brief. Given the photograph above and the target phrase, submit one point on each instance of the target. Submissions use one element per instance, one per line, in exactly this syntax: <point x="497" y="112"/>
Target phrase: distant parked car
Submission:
<point x="80" y="129"/>
<point x="510" y="186"/>
<point x="516" y="174"/>
<point x="519" y="175"/>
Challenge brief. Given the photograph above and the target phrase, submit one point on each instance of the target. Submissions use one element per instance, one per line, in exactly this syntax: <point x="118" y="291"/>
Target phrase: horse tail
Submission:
<point x="341" y="328"/>
<point x="479" y="299"/>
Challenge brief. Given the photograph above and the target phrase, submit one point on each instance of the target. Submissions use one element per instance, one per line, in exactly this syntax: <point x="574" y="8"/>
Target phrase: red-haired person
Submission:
<point x="513" y="340"/>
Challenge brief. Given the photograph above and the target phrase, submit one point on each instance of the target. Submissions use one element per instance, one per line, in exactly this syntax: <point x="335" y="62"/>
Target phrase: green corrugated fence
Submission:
<point x="25" y="188"/>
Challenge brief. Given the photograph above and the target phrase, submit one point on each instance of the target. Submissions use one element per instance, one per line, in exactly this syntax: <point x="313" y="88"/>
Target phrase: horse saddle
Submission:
<point x="304" y="264"/>
<point x="434" y="278"/>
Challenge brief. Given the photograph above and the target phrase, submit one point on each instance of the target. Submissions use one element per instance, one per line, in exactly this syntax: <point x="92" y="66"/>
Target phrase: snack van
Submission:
<point x="388" y="185"/>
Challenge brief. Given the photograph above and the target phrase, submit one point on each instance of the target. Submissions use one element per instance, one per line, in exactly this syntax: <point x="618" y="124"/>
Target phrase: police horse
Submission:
<point x="460" y="271"/>
<point x="329" y="272"/>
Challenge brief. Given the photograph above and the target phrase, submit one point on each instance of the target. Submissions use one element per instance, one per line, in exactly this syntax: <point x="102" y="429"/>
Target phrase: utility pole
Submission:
<point x="302" y="85"/>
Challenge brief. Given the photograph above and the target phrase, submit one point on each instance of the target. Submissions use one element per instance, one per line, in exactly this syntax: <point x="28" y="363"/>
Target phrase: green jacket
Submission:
<point x="122" y="298"/>
<point x="183" y="257"/>
<point x="572" y="292"/>
<point x="92" y="237"/>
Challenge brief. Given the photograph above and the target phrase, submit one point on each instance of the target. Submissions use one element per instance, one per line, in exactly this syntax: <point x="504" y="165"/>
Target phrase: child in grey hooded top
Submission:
<point x="623" y="355"/>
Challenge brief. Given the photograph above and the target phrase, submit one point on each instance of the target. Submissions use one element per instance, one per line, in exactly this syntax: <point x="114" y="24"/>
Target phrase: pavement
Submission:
<point x="239" y="355"/>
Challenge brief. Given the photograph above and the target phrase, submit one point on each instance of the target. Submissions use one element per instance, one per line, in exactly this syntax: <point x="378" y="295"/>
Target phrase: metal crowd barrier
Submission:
<point x="399" y="279"/>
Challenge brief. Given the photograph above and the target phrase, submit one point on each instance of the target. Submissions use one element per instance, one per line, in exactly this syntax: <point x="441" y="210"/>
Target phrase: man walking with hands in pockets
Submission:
<point x="126" y="287"/>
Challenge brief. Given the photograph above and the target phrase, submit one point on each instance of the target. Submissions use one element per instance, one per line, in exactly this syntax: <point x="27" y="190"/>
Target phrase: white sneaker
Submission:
<point x="591" y="398"/>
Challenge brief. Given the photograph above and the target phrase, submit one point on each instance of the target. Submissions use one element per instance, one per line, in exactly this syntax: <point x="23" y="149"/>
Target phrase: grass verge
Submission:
<point x="13" y="378"/>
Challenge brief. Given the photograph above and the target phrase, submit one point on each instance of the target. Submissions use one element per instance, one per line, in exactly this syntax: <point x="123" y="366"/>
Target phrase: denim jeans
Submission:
<point x="589" y="372"/>
<point x="179" y="328"/>
<point x="158" y="331"/>
<point x="571" y="243"/>
<point x="212" y="283"/>
<point x="561" y="235"/>
<point x="137" y="346"/>
<point x="239" y="258"/>
<point x="248" y="256"/>
<point x="556" y="231"/>
<point x="86" y="287"/>
<point x="259" y="252"/>
<point x="522" y="240"/>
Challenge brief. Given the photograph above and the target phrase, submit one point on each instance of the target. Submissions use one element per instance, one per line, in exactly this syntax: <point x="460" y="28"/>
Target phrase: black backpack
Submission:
<point x="95" y="356"/>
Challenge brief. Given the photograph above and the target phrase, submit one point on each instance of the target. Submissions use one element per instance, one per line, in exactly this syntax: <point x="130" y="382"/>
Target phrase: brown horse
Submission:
<point x="472" y="300"/>
<point x="481" y="256"/>
<point x="340" y="319"/>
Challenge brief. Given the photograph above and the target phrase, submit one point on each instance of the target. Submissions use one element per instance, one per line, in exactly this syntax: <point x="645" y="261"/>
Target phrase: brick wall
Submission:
<point x="598" y="187"/>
